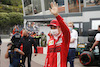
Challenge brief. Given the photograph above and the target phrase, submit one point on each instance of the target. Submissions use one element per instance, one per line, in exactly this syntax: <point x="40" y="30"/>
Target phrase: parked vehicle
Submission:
<point x="87" y="57"/>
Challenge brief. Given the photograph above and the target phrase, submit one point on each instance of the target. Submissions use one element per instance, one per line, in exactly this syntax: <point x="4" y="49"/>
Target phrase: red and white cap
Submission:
<point x="53" y="23"/>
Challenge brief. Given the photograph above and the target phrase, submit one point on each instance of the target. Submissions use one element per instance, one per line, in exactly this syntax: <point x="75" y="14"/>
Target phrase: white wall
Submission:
<point x="86" y="16"/>
<point x="73" y="19"/>
<point x="90" y="14"/>
<point x="95" y="24"/>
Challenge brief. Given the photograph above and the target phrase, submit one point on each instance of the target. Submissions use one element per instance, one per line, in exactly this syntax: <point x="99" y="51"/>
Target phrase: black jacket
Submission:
<point x="27" y="44"/>
<point x="0" y="41"/>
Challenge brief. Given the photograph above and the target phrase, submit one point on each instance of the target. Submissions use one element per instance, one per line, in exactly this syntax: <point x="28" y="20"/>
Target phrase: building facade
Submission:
<point x="84" y="14"/>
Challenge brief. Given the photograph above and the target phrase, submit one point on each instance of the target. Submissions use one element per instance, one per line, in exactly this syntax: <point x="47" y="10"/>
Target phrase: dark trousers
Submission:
<point x="29" y="59"/>
<point x="99" y="56"/>
<point x="71" y="56"/>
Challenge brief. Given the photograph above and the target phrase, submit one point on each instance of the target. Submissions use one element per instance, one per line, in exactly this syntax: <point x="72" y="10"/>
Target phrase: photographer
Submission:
<point x="13" y="54"/>
<point x="16" y="37"/>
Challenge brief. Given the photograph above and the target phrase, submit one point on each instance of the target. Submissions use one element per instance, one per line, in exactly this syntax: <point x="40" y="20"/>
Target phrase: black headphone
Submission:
<point x="10" y="44"/>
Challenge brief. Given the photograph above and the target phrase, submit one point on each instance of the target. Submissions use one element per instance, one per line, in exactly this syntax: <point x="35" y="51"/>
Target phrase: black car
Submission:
<point x="87" y="57"/>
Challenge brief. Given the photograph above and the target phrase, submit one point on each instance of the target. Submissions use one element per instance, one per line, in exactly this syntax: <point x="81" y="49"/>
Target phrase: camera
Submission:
<point x="13" y="47"/>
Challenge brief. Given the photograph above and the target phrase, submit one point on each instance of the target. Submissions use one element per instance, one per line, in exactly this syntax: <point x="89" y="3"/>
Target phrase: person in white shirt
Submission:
<point x="97" y="42"/>
<point x="73" y="44"/>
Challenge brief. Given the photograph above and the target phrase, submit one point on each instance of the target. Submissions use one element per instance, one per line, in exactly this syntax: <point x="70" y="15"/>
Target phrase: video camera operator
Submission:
<point x="16" y="37"/>
<point x="13" y="54"/>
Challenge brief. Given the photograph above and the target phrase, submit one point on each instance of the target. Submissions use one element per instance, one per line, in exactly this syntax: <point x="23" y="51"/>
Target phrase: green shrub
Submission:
<point x="15" y="18"/>
<point x="4" y="19"/>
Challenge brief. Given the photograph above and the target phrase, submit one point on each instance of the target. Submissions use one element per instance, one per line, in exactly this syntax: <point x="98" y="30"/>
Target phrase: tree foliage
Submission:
<point x="15" y="18"/>
<point x="11" y="13"/>
<point x="7" y="8"/>
<point x="4" y="20"/>
<point x="8" y="20"/>
<point x="12" y="2"/>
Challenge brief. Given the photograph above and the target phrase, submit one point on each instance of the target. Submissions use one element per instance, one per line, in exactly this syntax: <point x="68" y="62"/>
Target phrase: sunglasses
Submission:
<point x="53" y="27"/>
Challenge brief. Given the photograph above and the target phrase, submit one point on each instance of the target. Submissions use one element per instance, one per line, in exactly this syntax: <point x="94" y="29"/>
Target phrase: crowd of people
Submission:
<point x="42" y="37"/>
<point x="21" y="46"/>
<point x="61" y="45"/>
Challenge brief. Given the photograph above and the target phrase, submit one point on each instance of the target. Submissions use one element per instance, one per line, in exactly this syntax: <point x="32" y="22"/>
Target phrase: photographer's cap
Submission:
<point x="9" y="44"/>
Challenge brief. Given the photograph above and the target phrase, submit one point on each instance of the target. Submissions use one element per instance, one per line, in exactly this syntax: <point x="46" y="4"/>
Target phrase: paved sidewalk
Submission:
<point x="40" y="58"/>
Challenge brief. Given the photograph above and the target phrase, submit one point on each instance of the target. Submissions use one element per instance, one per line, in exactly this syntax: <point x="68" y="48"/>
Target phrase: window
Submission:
<point x="47" y="4"/>
<point x="79" y="27"/>
<point x="95" y="24"/>
<point x="37" y="6"/>
<point x="32" y="7"/>
<point x="27" y="7"/>
<point x="61" y="5"/>
<point x="73" y="6"/>
<point x="92" y="2"/>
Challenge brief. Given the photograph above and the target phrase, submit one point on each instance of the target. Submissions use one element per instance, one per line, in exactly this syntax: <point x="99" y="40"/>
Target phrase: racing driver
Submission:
<point x="58" y="45"/>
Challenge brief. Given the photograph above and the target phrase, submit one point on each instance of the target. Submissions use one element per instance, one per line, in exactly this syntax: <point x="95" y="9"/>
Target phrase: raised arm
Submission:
<point x="7" y="52"/>
<point x="65" y="30"/>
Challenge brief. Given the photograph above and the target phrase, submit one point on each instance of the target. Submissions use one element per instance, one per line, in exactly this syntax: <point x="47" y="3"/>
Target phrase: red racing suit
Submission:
<point x="58" y="48"/>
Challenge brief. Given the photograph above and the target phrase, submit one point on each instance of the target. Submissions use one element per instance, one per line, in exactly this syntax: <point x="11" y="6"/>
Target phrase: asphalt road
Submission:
<point x="36" y="61"/>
